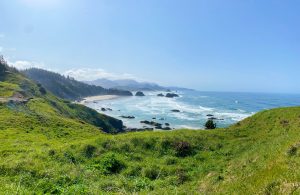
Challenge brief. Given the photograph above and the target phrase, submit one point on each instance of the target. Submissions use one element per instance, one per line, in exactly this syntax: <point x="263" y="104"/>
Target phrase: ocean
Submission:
<point x="194" y="106"/>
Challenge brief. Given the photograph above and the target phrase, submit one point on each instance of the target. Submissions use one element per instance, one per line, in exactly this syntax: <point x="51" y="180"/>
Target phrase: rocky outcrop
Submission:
<point x="171" y="95"/>
<point x="139" y="93"/>
<point x="175" y="110"/>
<point x="160" y="95"/>
<point x="152" y="123"/>
<point x="128" y="117"/>
<point x="137" y="129"/>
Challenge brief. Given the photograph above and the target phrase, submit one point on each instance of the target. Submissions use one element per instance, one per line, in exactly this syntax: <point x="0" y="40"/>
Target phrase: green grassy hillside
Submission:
<point x="257" y="155"/>
<point x="21" y="96"/>
<point x="48" y="145"/>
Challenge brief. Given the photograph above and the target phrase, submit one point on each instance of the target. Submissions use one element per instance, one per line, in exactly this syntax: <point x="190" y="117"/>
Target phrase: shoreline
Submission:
<point x="98" y="98"/>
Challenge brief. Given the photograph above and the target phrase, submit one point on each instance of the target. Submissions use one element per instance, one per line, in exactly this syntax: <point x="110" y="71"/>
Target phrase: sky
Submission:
<point x="208" y="45"/>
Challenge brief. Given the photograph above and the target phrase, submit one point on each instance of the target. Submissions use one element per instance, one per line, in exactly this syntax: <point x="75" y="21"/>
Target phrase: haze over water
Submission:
<point x="194" y="107"/>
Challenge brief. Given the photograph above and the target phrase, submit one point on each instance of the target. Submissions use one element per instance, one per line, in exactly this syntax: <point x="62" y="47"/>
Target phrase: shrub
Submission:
<point x="164" y="146"/>
<point x="210" y="124"/>
<point x="149" y="144"/>
<point x="133" y="171"/>
<point x="142" y="184"/>
<point x="51" y="152"/>
<point x="181" y="176"/>
<point x="110" y="164"/>
<point x="70" y="157"/>
<point x="42" y="89"/>
<point x="170" y="161"/>
<point x="151" y="173"/>
<point x="125" y="147"/>
<point x="272" y="188"/>
<point x="183" y="149"/>
<point x="292" y="151"/>
<point x="89" y="151"/>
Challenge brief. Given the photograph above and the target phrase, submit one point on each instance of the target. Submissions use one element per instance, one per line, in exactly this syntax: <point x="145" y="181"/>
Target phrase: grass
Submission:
<point x="43" y="104"/>
<point x="51" y="146"/>
<point x="257" y="155"/>
<point x="7" y="89"/>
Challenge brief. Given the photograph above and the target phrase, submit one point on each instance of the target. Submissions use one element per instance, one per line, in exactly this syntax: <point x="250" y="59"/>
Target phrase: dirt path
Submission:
<point x="15" y="98"/>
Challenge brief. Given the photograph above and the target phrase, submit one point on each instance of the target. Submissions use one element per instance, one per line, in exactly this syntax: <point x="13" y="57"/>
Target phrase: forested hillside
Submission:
<point x="23" y="99"/>
<point x="69" y="88"/>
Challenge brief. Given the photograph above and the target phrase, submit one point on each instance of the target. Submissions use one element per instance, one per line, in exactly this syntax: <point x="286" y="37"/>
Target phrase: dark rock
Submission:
<point x="152" y="123"/>
<point x="161" y="119"/>
<point x="171" y="95"/>
<point x="160" y="95"/>
<point x="138" y="129"/>
<point x="109" y="109"/>
<point x="166" y="128"/>
<point x="139" y="93"/>
<point x="175" y="110"/>
<point x="212" y="118"/>
<point x="167" y="124"/>
<point x="145" y="122"/>
<point x="128" y="117"/>
<point x="210" y="115"/>
<point x="103" y="109"/>
<point x="154" y="118"/>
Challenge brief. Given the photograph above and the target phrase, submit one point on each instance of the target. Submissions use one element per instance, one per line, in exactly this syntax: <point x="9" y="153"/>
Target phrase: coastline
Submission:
<point x="98" y="98"/>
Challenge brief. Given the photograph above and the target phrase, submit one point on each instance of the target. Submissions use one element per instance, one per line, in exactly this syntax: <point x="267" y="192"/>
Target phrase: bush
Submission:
<point x="151" y="173"/>
<point x="170" y="161"/>
<point x="51" y="152"/>
<point x="89" y="151"/>
<point x="142" y="184"/>
<point x="164" y="146"/>
<point x="133" y="171"/>
<point x="182" y="176"/>
<point x="110" y="164"/>
<point x="183" y="149"/>
<point x="210" y="124"/>
<point x="70" y="157"/>
<point x="41" y="89"/>
<point x="292" y="151"/>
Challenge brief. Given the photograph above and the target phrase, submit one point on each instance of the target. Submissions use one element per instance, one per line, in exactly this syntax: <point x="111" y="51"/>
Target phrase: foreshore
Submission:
<point x="98" y="98"/>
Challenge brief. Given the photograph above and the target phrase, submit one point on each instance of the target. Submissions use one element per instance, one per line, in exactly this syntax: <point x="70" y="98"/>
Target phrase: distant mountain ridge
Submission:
<point x="131" y="85"/>
<point x="126" y="84"/>
<point x="67" y="87"/>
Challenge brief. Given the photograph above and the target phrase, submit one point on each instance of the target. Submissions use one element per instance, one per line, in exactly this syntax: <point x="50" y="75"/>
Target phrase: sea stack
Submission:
<point x="171" y="95"/>
<point x="139" y="93"/>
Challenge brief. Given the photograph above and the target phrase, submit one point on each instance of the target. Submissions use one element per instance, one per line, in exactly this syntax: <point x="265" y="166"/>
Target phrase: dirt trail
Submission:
<point x="17" y="97"/>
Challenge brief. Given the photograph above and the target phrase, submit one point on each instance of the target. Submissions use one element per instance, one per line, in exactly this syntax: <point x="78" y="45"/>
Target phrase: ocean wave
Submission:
<point x="183" y="116"/>
<point x="187" y="127"/>
<point x="232" y="115"/>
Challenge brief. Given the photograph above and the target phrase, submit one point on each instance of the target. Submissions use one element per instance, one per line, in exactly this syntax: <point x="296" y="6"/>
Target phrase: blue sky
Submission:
<point x="214" y="45"/>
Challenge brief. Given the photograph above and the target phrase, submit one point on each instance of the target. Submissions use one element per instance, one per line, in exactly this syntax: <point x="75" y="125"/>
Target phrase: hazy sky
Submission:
<point x="219" y="45"/>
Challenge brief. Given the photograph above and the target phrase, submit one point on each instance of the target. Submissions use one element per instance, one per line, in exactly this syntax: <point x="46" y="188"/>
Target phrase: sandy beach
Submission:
<point x="98" y="98"/>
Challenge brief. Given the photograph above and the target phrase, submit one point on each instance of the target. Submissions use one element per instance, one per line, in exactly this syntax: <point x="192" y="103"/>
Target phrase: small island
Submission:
<point x="140" y="94"/>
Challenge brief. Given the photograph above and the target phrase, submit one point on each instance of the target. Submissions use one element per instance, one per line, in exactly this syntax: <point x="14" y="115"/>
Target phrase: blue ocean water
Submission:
<point x="194" y="107"/>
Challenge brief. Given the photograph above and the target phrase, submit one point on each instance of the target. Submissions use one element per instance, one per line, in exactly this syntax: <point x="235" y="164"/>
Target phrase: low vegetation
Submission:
<point x="53" y="155"/>
<point x="48" y="145"/>
<point x="210" y="124"/>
